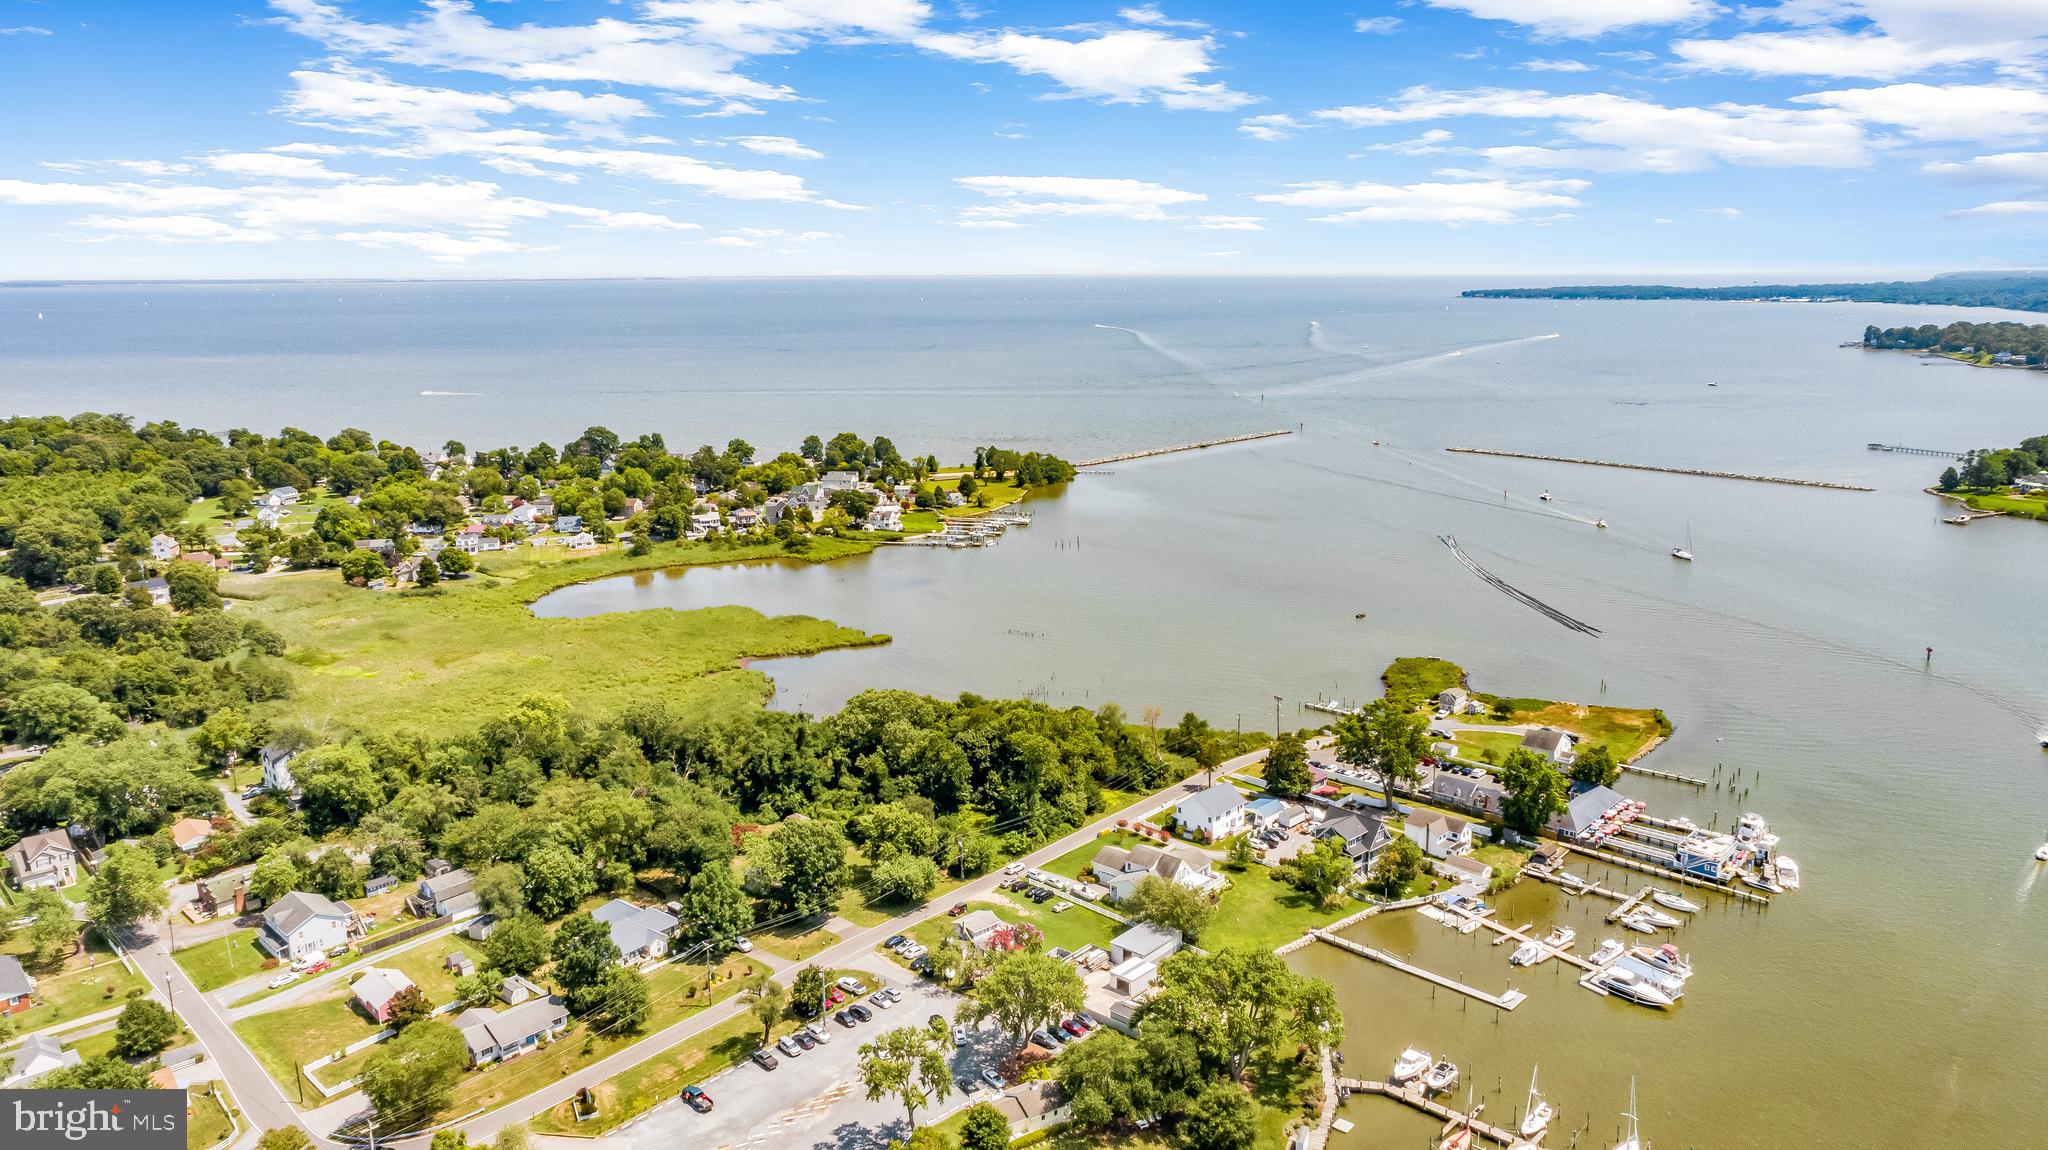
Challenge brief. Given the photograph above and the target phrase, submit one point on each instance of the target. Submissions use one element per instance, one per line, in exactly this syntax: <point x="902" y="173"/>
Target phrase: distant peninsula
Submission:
<point x="2015" y="291"/>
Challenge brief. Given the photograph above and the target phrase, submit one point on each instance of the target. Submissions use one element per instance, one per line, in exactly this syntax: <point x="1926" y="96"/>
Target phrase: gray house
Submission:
<point x="1364" y="837"/>
<point x="447" y="893"/>
<point x="495" y="1035"/>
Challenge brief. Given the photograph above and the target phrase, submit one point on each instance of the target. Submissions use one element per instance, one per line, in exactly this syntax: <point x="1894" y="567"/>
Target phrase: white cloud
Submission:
<point x="1127" y="66"/>
<point x="1376" y="25"/>
<point x="345" y="98"/>
<point x="1270" y="128"/>
<point x="777" y="146"/>
<point x="2005" y="208"/>
<point x="271" y="165"/>
<point x="174" y="230"/>
<point x="25" y="30"/>
<point x="120" y="196"/>
<point x="1429" y="143"/>
<point x="1456" y="203"/>
<point x="1946" y="111"/>
<point x="729" y="109"/>
<point x="155" y="169"/>
<point x="1555" y="66"/>
<point x="604" y="110"/>
<point x="1227" y="224"/>
<point x="1023" y="197"/>
<point x="1582" y="18"/>
<point x="2004" y="167"/>
<point x="1875" y="39"/>
<point x="767" y="237"/>
<point x="1149" y="14"/>
<point x="1723" y="213"/>
<point x="438" y="246"/>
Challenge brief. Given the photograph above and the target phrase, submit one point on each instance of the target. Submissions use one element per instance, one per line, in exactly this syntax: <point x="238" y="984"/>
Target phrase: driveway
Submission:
<point x="816" y="1101"/>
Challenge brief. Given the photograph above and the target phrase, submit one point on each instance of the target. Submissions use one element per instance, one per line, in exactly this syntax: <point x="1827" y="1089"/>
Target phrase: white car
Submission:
<point x="853" y="986"/>
<point x="744" y="946"/>
<point x="285" y="979"/>
<point x="789" y="1047"/>
<point x="817" y="1032"/>
<point x="993" y="1079"/>
<point x="1014" y="868"/>
<point x="305" y="960"/>
<point x="915" y="950"/>
<point x="960" y="1034"/>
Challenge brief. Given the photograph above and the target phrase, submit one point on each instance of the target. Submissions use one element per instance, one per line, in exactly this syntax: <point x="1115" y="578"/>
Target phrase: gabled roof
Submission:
<point x="634" y="928"/>
<point x="1358" y="832"/>
<point x="298" y="908"/>
<point x="379" y="985"/>
<point x="979" y="922"/>
<point x="487" y="1029"/>
<point x="13" y="979"/>
<point x="1205" y="806"/>
<point x="185" y="830"/>
<point x="446" y="883"/>
<point x="1588" y="807"/>
<point x="1147" y="937"/>
<point x="1547" y="739"/>
<point x="21" y="854"/>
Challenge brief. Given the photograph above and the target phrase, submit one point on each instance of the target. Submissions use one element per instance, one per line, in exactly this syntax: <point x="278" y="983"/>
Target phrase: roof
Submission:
<point x="1471" y="868"/>
<point x="634" y="928"/>
<point x="1435" y="821"/>
<point x="1162" y="861"/>
<point x="1547" y="739"/>
<point x="1036" y="1098"/>
<point x="1588" y="807"/>
<point x="39" y="1054"/>
<point x="185" y="830"/>
<point x="298" y="908"/>
<point x="1467" y="790"/>
<point x="1147" y="937"/>
<point x="1205" y="806"/>
<point x="1267" y="807"/>
<point x="446" y="883"/>
<point x="30" y="846"/>
<point x="379" y="985"/>
<point x="979" y="922"/>
<point x="13" y="979"/>
<point x="484" y="1029"/>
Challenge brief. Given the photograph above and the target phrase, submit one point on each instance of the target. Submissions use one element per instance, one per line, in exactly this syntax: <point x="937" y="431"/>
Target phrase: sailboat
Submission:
<point x="1634" y="1140"/>
<point x="1540" y="1110"/>
<point x="1684" y="552"/>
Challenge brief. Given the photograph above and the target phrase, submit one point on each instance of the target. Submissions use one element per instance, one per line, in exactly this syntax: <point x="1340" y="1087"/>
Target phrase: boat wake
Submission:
<point x="1316" y="341"/>
<point x="1153" y="345"/>
<point x="444" y="393"/>
<point x="1362" y="374"/>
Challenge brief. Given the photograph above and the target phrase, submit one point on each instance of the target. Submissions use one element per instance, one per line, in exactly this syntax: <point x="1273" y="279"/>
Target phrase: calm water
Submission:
<point x="1894" y="1002"/>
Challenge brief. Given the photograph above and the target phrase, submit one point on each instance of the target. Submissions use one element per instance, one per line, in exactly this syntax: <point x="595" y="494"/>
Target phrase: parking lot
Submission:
<point x="815" y="1101"/>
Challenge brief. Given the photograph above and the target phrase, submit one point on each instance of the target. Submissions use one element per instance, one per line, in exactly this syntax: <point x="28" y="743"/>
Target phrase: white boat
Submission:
<point x="1684" y="552"/>
<point x="1560" y="937"/>
<point x="1656" y="917"/>
<point x="1440" y="1077"/>
<point x="1750" y="826"/>
<point x="2041" y="852"/>
<point x="1540" y="1111"/>
<point x="1545" y="497"/>
<point x="1599" y="523"/>
<point x="1675" y="902"/>
<point x="1634" y="1140"/>
<point x="1526" y="953"/>
<point x="1411" y="1063"/>
<point x="1570" y="881"/>
<point x="1788" y="873"/>
<point x="1610" y="949"/>
<point x="1958" y="520"/>
<point x="1763" y="882"/>
<point x="1665" y="958"/>
<point x="1637" y="922"/>
<point x="1634" y="987"/>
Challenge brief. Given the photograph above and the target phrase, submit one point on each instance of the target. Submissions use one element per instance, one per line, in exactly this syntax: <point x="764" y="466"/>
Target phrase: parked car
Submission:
<point x="1073" y="1028"/>
<point x="894" y="941"/>
<point x="844" y="1018"/>
<point x="1062" y="905"/>
<point x="789" y="1048"/>
<point x="878" y="999"/>
<point x="284" y="979"/>
<point x="992" y="1078"/>
<point x="835" y="996"/>
<point x="307" y="959"/>
<point x="697" y="1099"/>
<point x="957" y="909"/>
<point x="1083" y="1023"/>
<point x="860" y="1012"/>
<point x="317" y="967"/>
<point x="968" y="1086"/>
<point x="922" y="964"/>
<point x="805" y="1039"/>
<point x="890" y="993"/>
<point x="1014" y="868"/>
<point x="960" y="1034"/>
<point x="744" y="945"/>
<point x="915" y="950"/>
<point x="817" y="1033"/>
<point x="853" y="986"/>
<point x="1046" y="1038"/>
<point x="765" y="1060"/>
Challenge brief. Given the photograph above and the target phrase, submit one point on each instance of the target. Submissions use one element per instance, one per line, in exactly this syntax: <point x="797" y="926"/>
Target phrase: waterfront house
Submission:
<point x="1552" y="744"/>
<point x="1452" y="700"/>
<point x="745" y="518"/>
<point x="36" y="1056"/>
<point x="1147" y="942"/>
<point x="1464" y="871"/>
<point x="16" y="987"/>
<point x="640" y="932"/>
<point x="2029" y="484"/>
<point x="703" y="521"/>
<point x="191" y="834"/>
<point x="303" y="922"/>
<point x="277" y="768"/>
<point x="976" y="927"/>
<point x="496" y="1035"/>
<point x="375" y="988"/>
<point x="447" y="893"/>
<point x="887" y="516"/>
<point x="1363" y="836"/>
<point x="1708" y="855"/>
<point x="1213" y="814"/>
<point x="158" y="590"/>
<point x="1585" y="810"/>
<point x="840" y="480"/>
<point x="46" y="860"/>
<point x="1481" y="794"/>
<point x="582" y="541"/>
<point x="1121" y="869"/>
<point x="1439" y="835"/>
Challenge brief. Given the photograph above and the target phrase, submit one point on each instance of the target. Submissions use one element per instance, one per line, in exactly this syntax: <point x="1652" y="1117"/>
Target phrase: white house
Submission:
<point x="36" y="1056"/>
<point x="1439" y="835"/>
<point x="44" y="860"/>
<point x="277" y="768"/>
<point x="640" y="932"/>
<point x="582" y="541"/>
<point x="1215" y="813"/>
<point x="163" y="548"/>
<point x="976" y="926"/>
<point x="302" y="922"/>
<point x="1553" y="744"/>
<point x="840" y="480"/>
<point x="495" y="1035"/>
<point x="1121" y="869"/>
<point x="191" y="834"/>
<point x="158" y="590"/>
<point x="282" y="496"/>
<point x="449" y="893"/>
<point x="1135" y="956"/>
<point x="887" y="516"/>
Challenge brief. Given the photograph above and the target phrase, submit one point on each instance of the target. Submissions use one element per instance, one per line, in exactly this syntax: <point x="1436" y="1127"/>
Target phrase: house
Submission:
<point x="281" y="496"/>
<point x="377" y="884"/>
<point x="1146" y="942"/>
<point x="302" y="922"/>
<point x="375" y="988"/>
<point x="158" y="590"/>
<point x="887" y="516"/>
<point x="1265" y="811"/>
<point x="16" y="987"/>
<point x="226" y="894"/>
<point x="1585" y="810"/>
<point x="444" y="894"/>
<point x="495" y="1035"/>
<point x="1552" y="744"/>
<point x="1121" y="869"/>
<point x="191" y="834"/>
<point x="459" y="964"/>
<point x="1708" y="855"/>
<point x="1213" y="814"/>
<point x="839" y="480"/>
<point x="2029" y="484"/>
<point x="277" y="768"/>
<point x="385" y="548"/>
<point x="1364" y="838"/>
<point x="38" y="1055"/>
<point x="976" y="927"/>
<point x="811" y="496"/>
<point x="163" y="548"/>
<point x="1439" y="835"/>
<point x="582" y="541"/>
<point x="640" y="932"/>
<point x="745" y="519"/>
<point x="1464" y="871"/>
<point x="568" y="524"/>
<point x="205" y="559"/>
<point x="1033" y="1106"/>
<point x="44" y="860"/>
<point x="480" y="928"/>
<point x="1480" y="794"/>
<point x="703" y="521"/>
<point x="1452" y="700"/>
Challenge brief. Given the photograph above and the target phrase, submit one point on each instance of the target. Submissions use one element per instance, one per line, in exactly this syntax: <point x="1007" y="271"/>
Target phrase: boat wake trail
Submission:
<point x="1522" y="597"/>
<point x="443" y="393"/>
<point x="1316" y="341"/>
<point x="1363" y="374"/>
<point x="1160" y="349"/>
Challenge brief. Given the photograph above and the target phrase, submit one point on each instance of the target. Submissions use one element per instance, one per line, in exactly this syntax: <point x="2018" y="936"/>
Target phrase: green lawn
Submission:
<point x="424" y="964"/>
<point x="1421" y="678"/>
<point x="299" y="1034"/>
<point x="1486" y="746"/>
<point x="61" y="998"/>
<point x="793" y="944"/>
<point x="94" y="1045"/>
<point x="1073" y="928"/>
<point x="1260" y="910"/>
<point x="441" y="658"/>
<point x="208" y="1122"/>
<point x="214" y="964"/>
<point x="2003" y="499"/>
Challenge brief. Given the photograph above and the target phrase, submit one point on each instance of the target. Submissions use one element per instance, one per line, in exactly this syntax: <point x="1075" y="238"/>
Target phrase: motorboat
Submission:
<point x="1958" y="520"/>
<point x="1637" y="922"/>
<point x="1656" y="917"/>
<point x="1674" y="902"/>
<point x="1411" y="1063"/>
<point x="1539" y="1112"/>
<point x="1440" y="1077"/>
<point x="1526" y="953"/>
<point x="1602" y="523"/>
<point x="1610" y="949"/>
<point x="1634" y="987"/>
<point x="1751" y="825"/>
<point x="1560" y="937"/>
<point x="1545" y="497"/>
<point x="1788" y="873"/>
<point x="1634" y="1139"/>
<point x="1570" y="881"/>
<point x="1763" y="882"/>
<point x="2041" y="852"/>
<point x="1665" y="958"/>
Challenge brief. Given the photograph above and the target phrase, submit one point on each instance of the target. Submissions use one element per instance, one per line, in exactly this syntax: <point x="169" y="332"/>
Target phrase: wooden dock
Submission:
<point x="1629" y="904"/>
<point x="1506" y="1000"/>
<point x="1779" y="479"/>
<point x="1667" y="776"/>
<point x="1666" y="875"/>
<point x="1520" y="934"/>
<point x="1429" y="1106"/>
<point x="1904" y="450"/>
<point x="1148" y="454"/>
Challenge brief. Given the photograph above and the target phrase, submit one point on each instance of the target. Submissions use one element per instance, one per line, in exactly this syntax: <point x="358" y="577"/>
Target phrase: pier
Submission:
<point x="1622" y="911"/>
<point x="1662" y="873"/>
<point x="1429" y="1106"/>
<point x="1521" y="934"/>
<point x="1779" y="479"/>
<point x="1902" y="449"/>
<point x="1667" y="776"/>
<point x="1130" y="455"/>
<point x="1507" y="1000"/>
<point x="1333" y="707"/>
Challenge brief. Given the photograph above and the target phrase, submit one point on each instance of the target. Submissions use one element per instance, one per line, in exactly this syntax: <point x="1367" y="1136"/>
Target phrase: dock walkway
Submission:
<point x="1429" y="1106"/>
<point x="1779" y="479"/>
<point x="1667" y="776"/>
<point x="1549" y="952"/>
<point x="1506" y="1000"/>
<point x="1149" y="453"/>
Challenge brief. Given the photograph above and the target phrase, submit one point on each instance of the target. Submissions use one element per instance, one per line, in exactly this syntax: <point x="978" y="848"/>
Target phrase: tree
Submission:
<point x="224" y="735"/>
<point x="807" y="992"/>
<point x="557" y="878"/>
<point x="275" y="876"/>
<point x="284" y="1138"/>
<point x="766" y="1000"/>
<point x="511" y="1138"/>
<point x="518" y="945"/>
<point x="412" y="1077"/>
<point x="1237" y="1003"/>
<point x="50" y="712"/>
<point x="478" y="987"/>
<point x="583" y="950"/>
<point x="1533" y="791"/>
<point x="143" y="1029"/>
<point x="1383" y="737"/>
<point x="1166" y="903"/>
<point x="908" y="1064"/>
<point x="1321" y="871"/>
<point x="194" y="586"/>
<point x="456" y="563"/>
<point x="1221" y="1117"/>
<point x="624" y="998"/>
<point x="126" y="890"/>
<point x="801" y="868"/>
<point x="1025" y="991"/>
<point x="906" y="879"/>
<point x="715" y="909"/>
<point x="1111" y="1080"/>
<point x="1595" y="766"/>
<point x="1949" y="480"/>
<point x="1398" y="866"/>
<point x="51" y="929"/>
<point x="501" y="890"/>
<point x="449" y="1140"/>
<point x="335" y="875"/>
<point x="429" y="572"/>
<point x="106" y="1072"/>
<point x="1242" y="853"/>
<point x="1287" y="772"/>
<point x="983" y="1127"/>
<point x="408" y="1006"/>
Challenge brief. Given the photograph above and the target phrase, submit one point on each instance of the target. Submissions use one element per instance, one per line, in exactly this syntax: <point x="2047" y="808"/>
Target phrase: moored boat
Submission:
<point x="1634" y="1139"/>
<point x="1634" y="987"/>
<point x="1675" y="902"/>
<point x="1665" y="958"/>
<point x="1560" y="937"/>
<point x="1788" y="873"/>
<point x="1440" y="1077"/>
<point x="1762" y="882"/>
<point x="1526" y="953"/>
<point x="1656" y="917"/>
<point x="1637" y="922"/>
<point x="1411" y="1063"/>
<point x="1539" y="1112"/>
<point x="1610" y="949"/>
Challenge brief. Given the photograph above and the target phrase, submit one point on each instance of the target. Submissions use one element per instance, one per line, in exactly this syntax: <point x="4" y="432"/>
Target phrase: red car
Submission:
<point x="959" y="908"/>
<point x="697" y="1099"/>
<point x="318" y="967"/>
<point x="1073" y="1028"/>
<point x="836" y="996"/>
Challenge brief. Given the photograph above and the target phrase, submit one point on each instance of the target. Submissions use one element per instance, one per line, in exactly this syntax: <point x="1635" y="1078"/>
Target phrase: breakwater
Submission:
<point x="1130" y="455"/>
<point x="1779" y="479"/>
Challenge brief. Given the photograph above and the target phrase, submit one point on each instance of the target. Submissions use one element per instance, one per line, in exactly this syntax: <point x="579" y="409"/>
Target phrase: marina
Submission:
<point x="1506" y="1000"/>
<point x="1430" y="1106"/>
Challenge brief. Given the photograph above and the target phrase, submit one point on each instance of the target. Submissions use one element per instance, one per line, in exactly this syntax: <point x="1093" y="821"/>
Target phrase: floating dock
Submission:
<point x="1430" y="1106"/>
<point x="1130" y="455"/>
<point x="1507" y="1000"/>
<point x="1779" y="479"/>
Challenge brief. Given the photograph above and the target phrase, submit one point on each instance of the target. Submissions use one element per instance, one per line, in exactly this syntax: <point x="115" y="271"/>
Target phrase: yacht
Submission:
<point x="1540" y="1111"/>
<point x="1634" y="1140"/>
<point x="1634" y="987"/>
<point x="1526" y="953"/>
<point x="1440" y="1077"/>
<point x="1656" y="917"/>
<point x="1665" y="958"/>
<point x="1674" y="902"/>
<point x="1610" y="949"/>
<point x="1788" y="873"/>
<point x="1560" y="937"/>
<point x="1637" y="922"/>
<point x="1762" y="881"/>
<point x="1752" y="825"/>
<point x="1411" y="1063"/>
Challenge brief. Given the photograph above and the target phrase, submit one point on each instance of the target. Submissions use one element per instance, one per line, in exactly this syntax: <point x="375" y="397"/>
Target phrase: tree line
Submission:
<point x="2028" y="341"/>
<point x="2014" y="293"/>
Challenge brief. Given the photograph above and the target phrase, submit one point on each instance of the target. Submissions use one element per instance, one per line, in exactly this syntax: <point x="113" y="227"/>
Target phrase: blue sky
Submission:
<point x="772" y="137"/>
